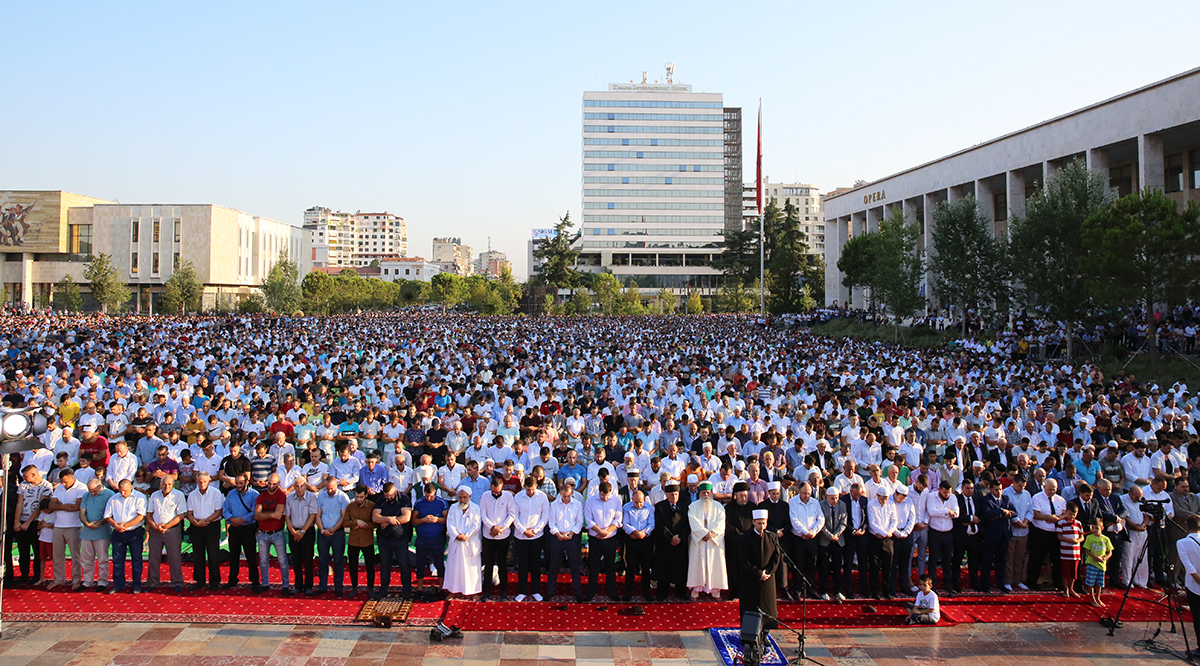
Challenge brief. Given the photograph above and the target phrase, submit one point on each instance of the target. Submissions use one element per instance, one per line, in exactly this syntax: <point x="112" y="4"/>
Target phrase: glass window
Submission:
<point x="999" y="206"/>
<point x="178" y="229"/>
<point x="175" y="262"/>
<point x="1174" y="173"/>
<point x="133" y="263"/>
<point x="1120" y="179"/>
<point x="135" y="226"/>
<point x="1194" y="164"/>
<point x="81" y="239"/>
<point x="154" y="263"/>
<point x="157" y="230"/>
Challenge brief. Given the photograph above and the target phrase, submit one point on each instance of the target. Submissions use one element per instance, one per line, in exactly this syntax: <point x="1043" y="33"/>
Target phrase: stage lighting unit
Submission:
<point x="751" y="637"/>
<point x="20" y="429"/>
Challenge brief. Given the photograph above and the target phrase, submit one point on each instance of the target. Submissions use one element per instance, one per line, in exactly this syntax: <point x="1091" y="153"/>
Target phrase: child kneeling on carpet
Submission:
<point x="1097" y="548"/>
<point x="925" y="609"/>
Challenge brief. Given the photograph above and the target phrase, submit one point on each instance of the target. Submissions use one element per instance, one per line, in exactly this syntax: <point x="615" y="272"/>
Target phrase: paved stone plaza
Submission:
<point x="97" y="644"/>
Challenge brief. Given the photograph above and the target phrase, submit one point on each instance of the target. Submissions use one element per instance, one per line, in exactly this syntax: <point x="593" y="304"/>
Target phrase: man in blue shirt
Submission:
<point x="637" y="523"/>
<point x="238" y="512"/>
<point x="373" y="476"/>
<point x="479" y="483"/>
<point x="429" y="516"/>
<point x="572" y="469"/>
<point x="95" y="535"/>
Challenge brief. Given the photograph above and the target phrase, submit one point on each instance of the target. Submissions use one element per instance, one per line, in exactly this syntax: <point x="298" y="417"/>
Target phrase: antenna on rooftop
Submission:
<point x="670" y="71"/>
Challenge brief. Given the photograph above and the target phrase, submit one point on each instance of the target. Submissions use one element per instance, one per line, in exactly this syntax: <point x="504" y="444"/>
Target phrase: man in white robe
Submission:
<point x="463" y="523"/>
<point x="706" y="551"/>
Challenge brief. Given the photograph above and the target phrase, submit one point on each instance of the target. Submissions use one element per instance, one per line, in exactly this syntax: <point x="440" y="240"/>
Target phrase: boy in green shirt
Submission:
<point x="1096" y="550"/>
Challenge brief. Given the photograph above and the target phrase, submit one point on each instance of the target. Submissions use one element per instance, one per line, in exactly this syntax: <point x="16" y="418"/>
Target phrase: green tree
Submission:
<point x="733" y="297"/>
<point x="550" y="307"/>
<point x="1046" y="245"/>
<point x="183" y="289"/>
<point x="969" y="266"/>
<point x="317" y="288"/>
<point x="859" y="262"/>
<point x="252" y="304"/>
<point x="630" y="300"/>
<point x="739" y="255"/>
<point x="667" y="302"/>
<point x="508" y="290"/>
<point x="788" y="256"/>
<point x="558" y="256"/>
<point x="580" y="302"/>
<point x="105" y="283"/>
<point x="281" y="288"/>
<point x="447" y="289"/>
<point x="1142" y="250"/>
<point x="67" y="296"/>
<point x="694" y="304"/>
<point x="413" y="292"/>
<point x="900" y="270"/>
<point x="807" y="302"/>
<point x="608" y="292"/>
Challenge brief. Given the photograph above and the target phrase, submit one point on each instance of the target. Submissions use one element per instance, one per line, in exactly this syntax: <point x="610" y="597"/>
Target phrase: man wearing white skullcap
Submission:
<point x="760" y="558"/>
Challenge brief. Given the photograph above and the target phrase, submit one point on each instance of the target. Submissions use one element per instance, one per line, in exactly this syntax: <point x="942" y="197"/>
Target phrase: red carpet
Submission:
<point x="272" y="607"/>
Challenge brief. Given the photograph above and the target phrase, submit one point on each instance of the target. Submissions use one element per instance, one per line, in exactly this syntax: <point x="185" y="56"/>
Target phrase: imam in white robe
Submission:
<point x="706" y="559"/>
<point x="463" y="572"/>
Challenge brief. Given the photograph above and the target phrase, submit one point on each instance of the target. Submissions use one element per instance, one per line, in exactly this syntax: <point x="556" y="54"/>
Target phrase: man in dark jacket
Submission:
<point x="759" y="557"/>
<point x="995" y="515"/>
<point x="778" y="522"/>
<point x="738" y="521"/>
<point x="671" y="536"/>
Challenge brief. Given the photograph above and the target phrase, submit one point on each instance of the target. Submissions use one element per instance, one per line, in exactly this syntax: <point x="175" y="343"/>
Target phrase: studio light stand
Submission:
<point x="20" y="431"/>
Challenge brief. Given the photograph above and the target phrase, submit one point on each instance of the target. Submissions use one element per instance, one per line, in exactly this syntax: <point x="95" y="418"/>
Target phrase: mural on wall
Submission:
<point x="13" y="226"/>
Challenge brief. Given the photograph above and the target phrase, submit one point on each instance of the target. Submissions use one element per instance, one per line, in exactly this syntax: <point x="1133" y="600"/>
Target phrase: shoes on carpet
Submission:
<point x="196" y="587"/>
<point x="1023" y="587"/>
<point x="537" y="597"/>
<point x="825" y="597"/>
<point x="339" y="593"/>
<point x="113" y="590"/>
<point x="375" y="595"/>
<point x="137" y="590"/>
<point x="230" y="585"/>
<point x="310" y="592"/>
<point x="256" y="589"/>
<point x="1008" y="588"/>
<point x="178" y="589"/>
<point x="519" y="597"/>
<point x="287" y="591"/>
<point x="587" y="598"/>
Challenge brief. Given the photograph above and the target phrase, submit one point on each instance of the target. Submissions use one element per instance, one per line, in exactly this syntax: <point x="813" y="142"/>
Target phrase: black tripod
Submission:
<point x="1168" y="600"/>
<point x="805" y="586"/>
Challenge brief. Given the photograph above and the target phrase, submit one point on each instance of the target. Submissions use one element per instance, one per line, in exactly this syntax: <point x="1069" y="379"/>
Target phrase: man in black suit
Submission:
<point x="672" y="531"/>
<point x="995" y="514"/>
<point x="856" y="541"/>
<point x="822" y="459"/>
<point x="778" y="521"/>
<point x="1087" y="507"/>
<point x="730" y="457"/>
<point x="967" y="539"/>
<point x="1000" y="457"/>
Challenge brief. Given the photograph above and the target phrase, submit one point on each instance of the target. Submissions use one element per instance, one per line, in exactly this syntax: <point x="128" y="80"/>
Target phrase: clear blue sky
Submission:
<point x="464" y="117"/>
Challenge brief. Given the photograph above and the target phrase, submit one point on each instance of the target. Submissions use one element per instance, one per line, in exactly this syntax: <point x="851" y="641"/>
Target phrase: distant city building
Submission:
<point x="808" y="201"/>
<point x="662" y="180"/>
<point x="410" y="268"/>
<point x="456" y="257"/>
<point x="491" y="263"/>
<point x="354" y="239"/>
<point x="53" y="233"/>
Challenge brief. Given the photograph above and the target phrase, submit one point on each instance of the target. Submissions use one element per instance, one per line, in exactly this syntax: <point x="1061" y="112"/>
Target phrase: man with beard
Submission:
<point x="706" y="552"/>
<point x="738" y="521"/>
<point x="778" y="521"/>
<point x="673" y="534"/>
<point x="760" y="557"/>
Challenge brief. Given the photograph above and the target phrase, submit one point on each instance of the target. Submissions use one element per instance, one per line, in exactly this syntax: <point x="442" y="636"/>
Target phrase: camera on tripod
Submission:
<point x="1156" y="509"/>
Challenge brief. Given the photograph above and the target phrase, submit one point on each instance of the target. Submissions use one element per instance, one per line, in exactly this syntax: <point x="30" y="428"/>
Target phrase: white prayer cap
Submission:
<point x="760" y="514"/>
<point x="831" y="492"/>
<point x="774" y="485"/>
<point x="692" y="478"/>
<point x="902" y="489"/>
<point x="519" y="467"/>
<point x="978" y="464"/>
<point x="630" y="456"/>
<point x="881" y="491"/>
<point x="739" y="465"/>
<point x="465" y="488"/>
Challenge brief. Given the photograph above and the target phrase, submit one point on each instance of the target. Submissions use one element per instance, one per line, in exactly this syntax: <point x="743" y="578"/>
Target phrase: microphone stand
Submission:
<point x="801" y="656"/>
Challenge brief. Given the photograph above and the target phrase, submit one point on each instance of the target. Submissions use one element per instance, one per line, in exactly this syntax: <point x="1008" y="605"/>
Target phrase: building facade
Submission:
<point x="453" y="255"/>
<point x="1145" y="138"/>
<point x="809" y="205"/>
<point x="491" y="263"/>
<point x="657" y="189"/>
<point x="56" y="232"/>
<point x="356" y="239"/>
<point x="409" y="268"/>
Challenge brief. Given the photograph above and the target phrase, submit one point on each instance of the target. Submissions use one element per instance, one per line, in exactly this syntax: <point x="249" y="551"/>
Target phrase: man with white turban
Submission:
<point x="463" y="523"/>
<point x="706" y="552"/>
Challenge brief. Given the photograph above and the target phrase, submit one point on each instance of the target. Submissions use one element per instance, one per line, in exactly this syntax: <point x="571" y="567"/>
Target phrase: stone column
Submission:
<point x="930" y="203"/>
<point x="27" y="278"/>
<point x="1097" y="160"/>
<point x="1151" y="172"/>
<point x="1016" y="194"/>
<point x="987" y="204"/>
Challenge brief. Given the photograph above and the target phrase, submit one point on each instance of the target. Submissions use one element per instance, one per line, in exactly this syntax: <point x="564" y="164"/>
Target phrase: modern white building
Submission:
<point x="655" y="179"/>
<point x="409" y="268"/>
<point x="453" y="255"/>
<point x="491" y="263"/>
<point x="807" y="199"/>
<point x="1145" y="138"/>
<point x="53" y="234"/>
<point x="354" y="239"/>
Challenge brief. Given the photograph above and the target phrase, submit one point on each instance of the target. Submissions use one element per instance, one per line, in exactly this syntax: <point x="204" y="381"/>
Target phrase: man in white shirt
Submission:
<point x="164" y="518"/>
<point x="807" y="520"/>
<point x="881" y="528"/>
<point x="529" y="527"/>
<point x="1022" y="503"/>
<point x="1189" y="556"/>
<point x="498" y="512"/>
<point x="204" y="515"/>
<point x="122" y="467"/>
<point x="125" y="512"/>
<point x="1047" y="507"/>
<point x="566" y="527"/>
<point x="602" y="515"/>
<point x="1137" y="466"/>
<point x="942" y="508"/>
<point x="903" y="539"/>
